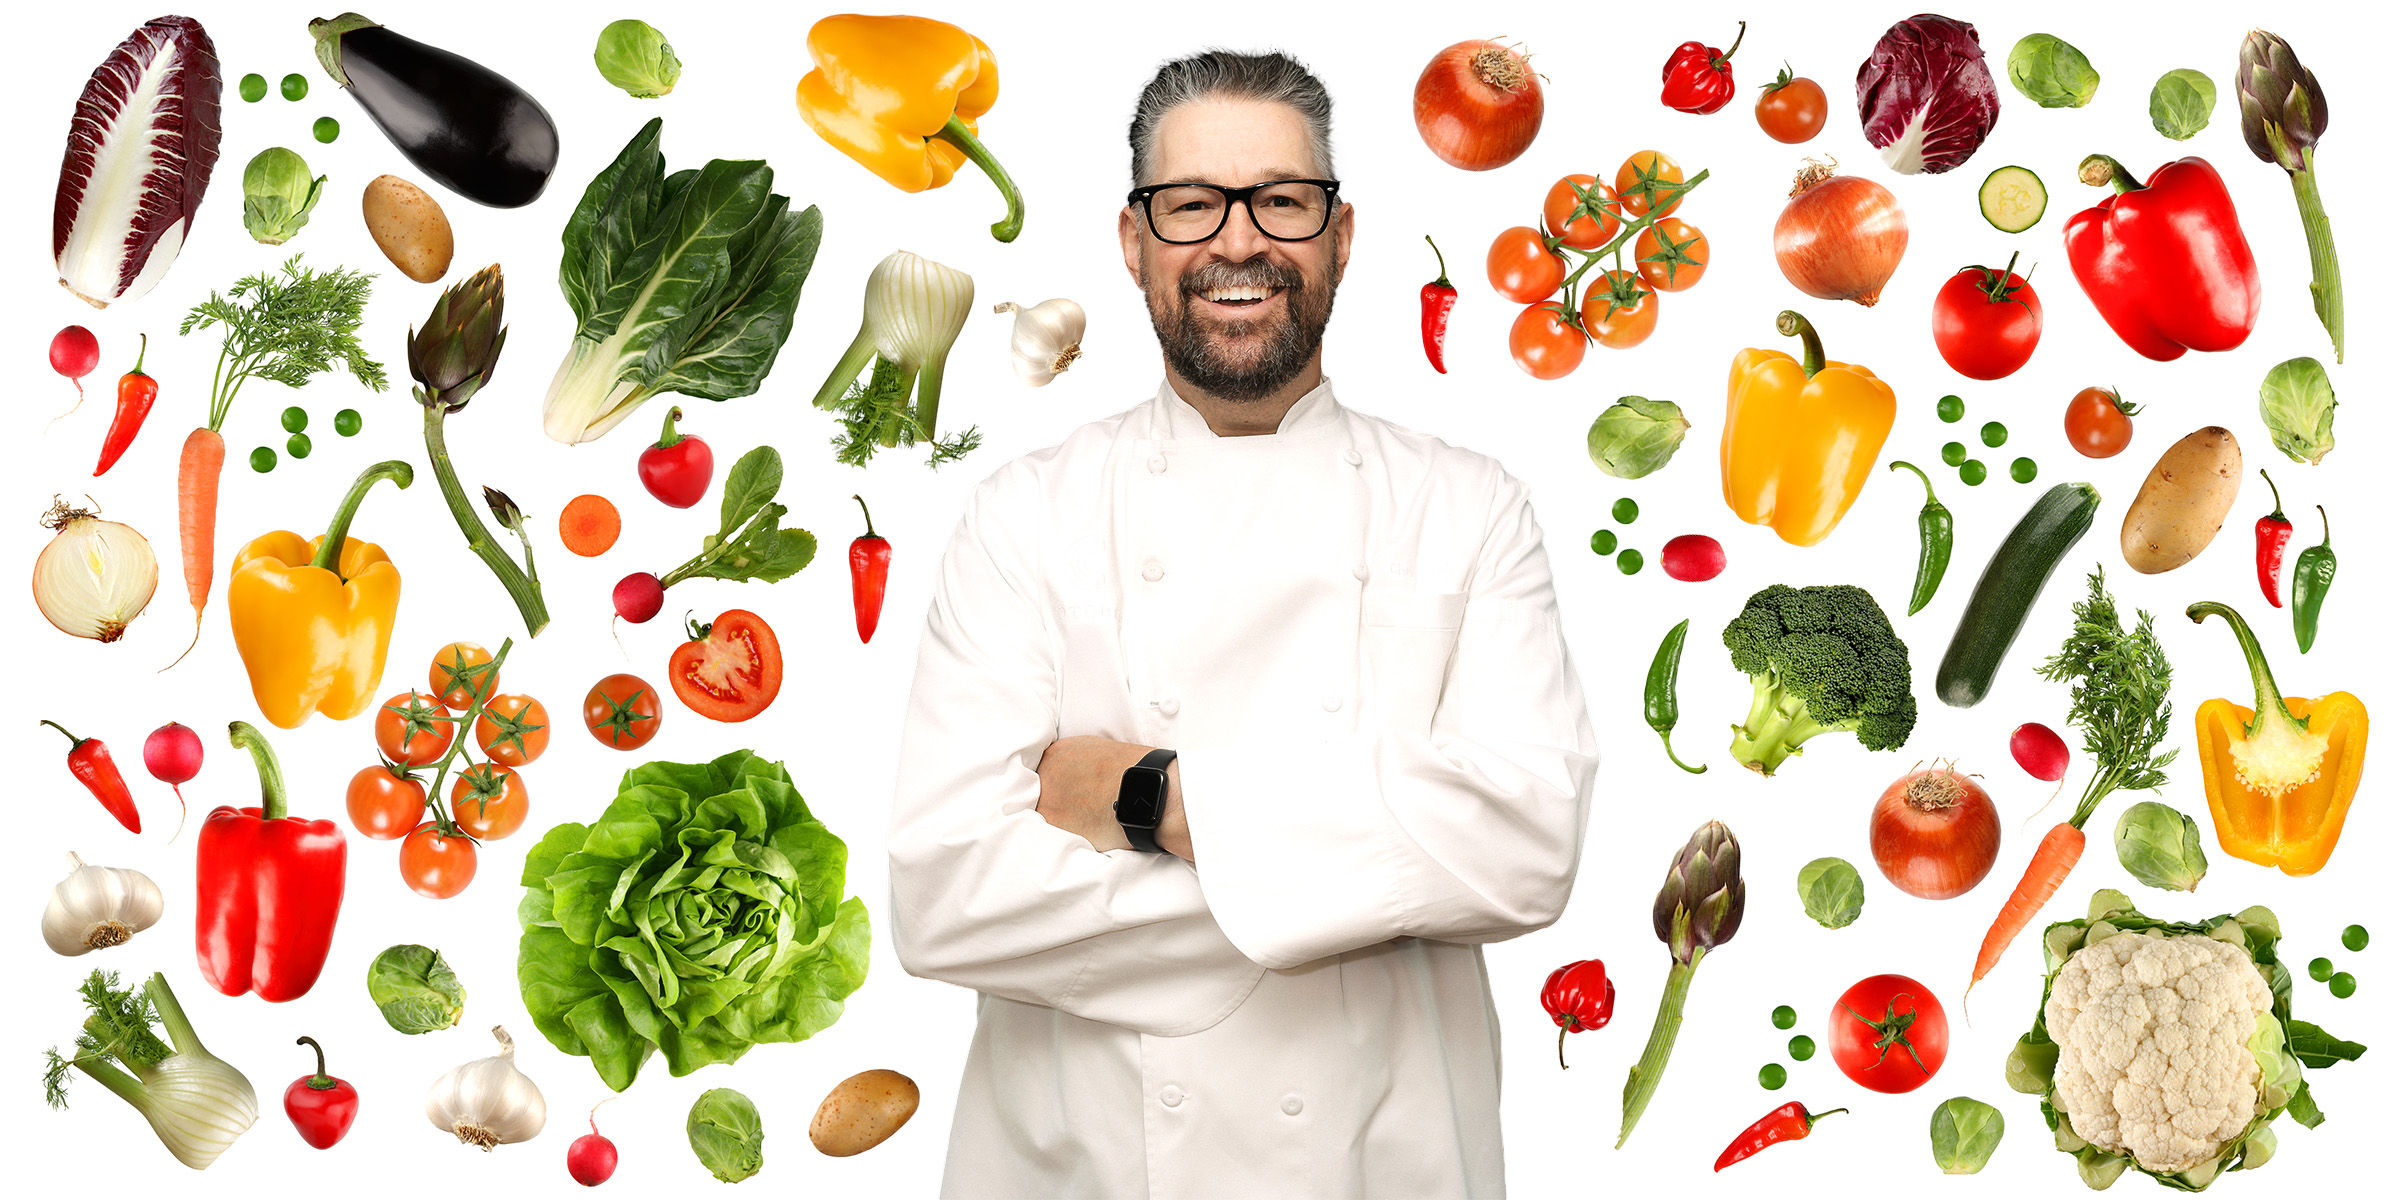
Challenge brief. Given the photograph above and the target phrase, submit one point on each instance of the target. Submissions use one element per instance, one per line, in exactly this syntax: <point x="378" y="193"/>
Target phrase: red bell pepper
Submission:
<point x="2165" y="261"/>
<point x="270" y="886"/>
<point x="1698" y="78"/>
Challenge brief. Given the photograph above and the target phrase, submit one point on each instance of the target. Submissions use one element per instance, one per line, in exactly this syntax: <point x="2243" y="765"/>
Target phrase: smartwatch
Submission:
<point x="1142" y="800"/>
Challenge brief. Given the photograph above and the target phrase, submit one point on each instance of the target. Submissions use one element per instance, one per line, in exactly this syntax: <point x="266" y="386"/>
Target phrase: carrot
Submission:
<point x="197" y="475"/>
<point x="589" y="525"/>
<point x="2053" y="860"/>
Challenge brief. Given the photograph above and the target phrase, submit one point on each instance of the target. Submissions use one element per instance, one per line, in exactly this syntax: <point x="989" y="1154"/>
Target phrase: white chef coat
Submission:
<point x="1347" y="631"/>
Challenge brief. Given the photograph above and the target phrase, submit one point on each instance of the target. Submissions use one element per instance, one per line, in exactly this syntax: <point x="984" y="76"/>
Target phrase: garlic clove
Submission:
<point x="94" y="908"/>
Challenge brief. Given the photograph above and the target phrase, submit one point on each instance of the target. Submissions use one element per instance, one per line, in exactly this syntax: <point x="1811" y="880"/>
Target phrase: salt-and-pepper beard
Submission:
<point x="1198" y="359"/>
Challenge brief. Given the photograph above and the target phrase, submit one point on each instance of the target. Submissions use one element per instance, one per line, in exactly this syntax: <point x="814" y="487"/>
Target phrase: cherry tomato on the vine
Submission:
<point x="1643" y="180"/>
<point x="1619" y="310"/>
<point x="513" y="730"/>
<point x="383" y="805"/>
<point x="1522" y="267"/>
<point x="1588" y="230"/>
<point x="1544" y="343"/>
<point x="1672" y="254"/>
<point x="437" y="865"/>
<point x="488" y="801"/>
<point x="1888" y="1033"/>
<point x="1986" y="322"/>
<point x="1792" y="110"/>
<point x="454" y="675"/>
<point x="413" y="729"/>
<point x="2099" y="423"/>
<point x="622" y="711"/>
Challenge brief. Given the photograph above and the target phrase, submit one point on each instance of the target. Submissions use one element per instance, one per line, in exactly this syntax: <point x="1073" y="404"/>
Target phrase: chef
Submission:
<point x="1241" y="720"/>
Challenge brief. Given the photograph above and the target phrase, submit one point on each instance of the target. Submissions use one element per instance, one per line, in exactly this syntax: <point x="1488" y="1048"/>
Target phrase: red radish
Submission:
<point x="677" y="469"/>
<point x="2039" y="750"/>
<point x="639" y="596"/>
<point x="172" y="753"/>
<point x="591" y="1159"/>
<point x="139" y="152"/>
<point x="1692" y="558"/>
<point x="1478" y="105"/>
<point x="1935" y="833"/>
<point x="74" y="353"/>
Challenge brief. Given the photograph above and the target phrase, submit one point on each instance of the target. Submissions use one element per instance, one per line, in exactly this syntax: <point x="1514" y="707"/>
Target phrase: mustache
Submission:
<point x="1257" y="272"/>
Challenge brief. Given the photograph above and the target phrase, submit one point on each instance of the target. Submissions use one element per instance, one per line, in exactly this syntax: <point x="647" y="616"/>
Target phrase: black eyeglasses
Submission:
<point x="1287" y="210"/>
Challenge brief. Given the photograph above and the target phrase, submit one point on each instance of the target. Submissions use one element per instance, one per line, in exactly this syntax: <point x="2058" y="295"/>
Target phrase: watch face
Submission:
<point x="1142" y="798"/>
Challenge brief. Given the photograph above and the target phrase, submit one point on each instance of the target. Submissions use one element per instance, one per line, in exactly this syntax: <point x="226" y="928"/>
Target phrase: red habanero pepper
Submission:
<point x="1578" y="996"/>
<point x="2274" y="533"/>
<point x="1699" y="79"/>
<point x="95" y="768"/>
<point x="1788" y="1123"/>
<point x="870" y="569"/>
<point x="2165" y="262"/>
<point x="270" y="886"/>
<point x="321" y="1107"/>
<point x="1435" y="300"/>
<point x="136" y="392"/>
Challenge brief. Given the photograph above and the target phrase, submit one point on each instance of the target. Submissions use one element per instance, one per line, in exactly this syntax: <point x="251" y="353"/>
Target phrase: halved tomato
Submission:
<point x="731" y="670"/>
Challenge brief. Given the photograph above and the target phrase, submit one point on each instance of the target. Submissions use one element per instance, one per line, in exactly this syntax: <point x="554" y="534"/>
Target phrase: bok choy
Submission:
<point x="195" y="1102"/>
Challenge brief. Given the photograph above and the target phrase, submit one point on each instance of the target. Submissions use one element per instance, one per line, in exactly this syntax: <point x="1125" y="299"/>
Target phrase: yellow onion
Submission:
<point x="95" y="576"/>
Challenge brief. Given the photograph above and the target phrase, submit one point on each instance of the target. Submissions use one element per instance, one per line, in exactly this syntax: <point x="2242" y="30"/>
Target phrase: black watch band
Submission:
<point x="1142" y="800"/>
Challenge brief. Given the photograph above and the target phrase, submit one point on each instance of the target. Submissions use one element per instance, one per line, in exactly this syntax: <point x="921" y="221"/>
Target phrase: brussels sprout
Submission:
<point x="637" y="58"/>
<point x="1965" y="1132"/>
<point x="1831" y="892"/>
<point x="2052" y="73"/>
<point x="2296" y="401"/>
<point x="2181" y="103"/>
<point x="2161" y="847"/>
<point x="1634" y="436"/>
<point x="277" y="195"/>
<point x="726" y="1135"/>
<point x="414" y="988"/>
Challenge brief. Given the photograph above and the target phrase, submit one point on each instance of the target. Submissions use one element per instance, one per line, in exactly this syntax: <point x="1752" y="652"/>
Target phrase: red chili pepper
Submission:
<point x="1699" y="79"/>
<point x="2274" y="533"/>
<point x="1788" y="1123"/>
<point x="870" y="569"/>
<point x="321" y="1107"/>
<point x="1578" y="996"/>
<point x="136" y="392"/>
<point x="93" y="766"/>
<point x="2165" y="262"/>
<point x="270" y="886"/>
<point x="1436" y="299"/>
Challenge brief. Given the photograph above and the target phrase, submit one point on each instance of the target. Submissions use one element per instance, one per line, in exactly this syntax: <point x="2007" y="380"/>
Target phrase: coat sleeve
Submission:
<point x="1459" y="817"/>
<point x="985" y="893"/>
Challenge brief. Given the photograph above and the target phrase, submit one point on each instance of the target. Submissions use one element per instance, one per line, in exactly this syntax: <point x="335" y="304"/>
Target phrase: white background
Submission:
<point x="1070" y="76"/>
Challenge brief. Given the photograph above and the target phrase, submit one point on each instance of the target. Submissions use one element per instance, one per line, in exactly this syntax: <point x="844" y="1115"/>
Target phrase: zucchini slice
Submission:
<point x="2012" y="199"/>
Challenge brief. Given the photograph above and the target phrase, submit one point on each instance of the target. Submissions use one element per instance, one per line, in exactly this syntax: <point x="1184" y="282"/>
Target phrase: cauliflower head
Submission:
<point x="2154" y="1055"/>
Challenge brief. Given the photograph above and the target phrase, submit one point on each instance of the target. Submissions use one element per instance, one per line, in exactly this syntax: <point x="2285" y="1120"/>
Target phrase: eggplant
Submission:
<point x="459" y="121"/>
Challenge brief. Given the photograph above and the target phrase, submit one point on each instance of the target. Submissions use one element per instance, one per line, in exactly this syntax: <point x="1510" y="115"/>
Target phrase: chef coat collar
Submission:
<point x="1174" y="417"/>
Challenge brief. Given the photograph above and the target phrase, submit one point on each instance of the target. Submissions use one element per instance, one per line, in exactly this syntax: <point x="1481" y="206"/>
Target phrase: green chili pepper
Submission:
<point x="1658" y="692"/>
<point x="1933" y="542"/>
<point x="2312" y="576"/>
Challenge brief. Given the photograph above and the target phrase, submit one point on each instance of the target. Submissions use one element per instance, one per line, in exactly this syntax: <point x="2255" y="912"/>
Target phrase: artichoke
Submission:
<point x="2283" y="117"/>
<point x="451" y="357"/>
<point x="1699" y="908"/>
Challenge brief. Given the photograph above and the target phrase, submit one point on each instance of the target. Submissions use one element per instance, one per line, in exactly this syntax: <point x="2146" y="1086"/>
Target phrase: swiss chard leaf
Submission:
<point x="2316" y="1048"/>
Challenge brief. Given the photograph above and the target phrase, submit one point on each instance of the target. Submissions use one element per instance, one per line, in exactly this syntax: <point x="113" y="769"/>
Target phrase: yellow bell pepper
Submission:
<point x="900" y="95"/>
<point x="2280" y="777"/>
<point x="312" y="619"/>
<point x="1800" y="437"/>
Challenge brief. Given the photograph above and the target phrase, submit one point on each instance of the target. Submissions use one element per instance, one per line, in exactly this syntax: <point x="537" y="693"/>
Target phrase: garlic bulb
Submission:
<point x="94" y="908"/>
<point x="488" y="1102"/>
<point x="1047" y="340"/>
<point x="95" y="577"/>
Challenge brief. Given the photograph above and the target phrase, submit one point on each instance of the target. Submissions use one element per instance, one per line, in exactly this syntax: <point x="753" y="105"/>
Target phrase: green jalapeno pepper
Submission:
<point x="1658" y="692"/>
<point x="1933" y="543"/>
<point x="2312" y="577"/>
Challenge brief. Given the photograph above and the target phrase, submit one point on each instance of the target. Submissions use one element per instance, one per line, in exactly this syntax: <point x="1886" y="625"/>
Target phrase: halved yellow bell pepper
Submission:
<point x="1800" y="436"/>
<point x="312" y="619"/>
<point x="2280" y="777"/>
<point x="900" y="95"/>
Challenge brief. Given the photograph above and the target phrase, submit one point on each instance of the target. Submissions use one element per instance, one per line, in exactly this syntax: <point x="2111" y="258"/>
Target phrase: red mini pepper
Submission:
<point x="1435" y="300"/>
<point x="321" y="1107"/>
<point x="1788" y="1123"/>
<point x="96" y="769"/>
<point x="1699" y="79"/>
<point x="136" y="392"/>
<point x="270" y="886"/>
<point x="2274" y="533"/>
<point x="870" y="569"/>
<point x="1578" y="996"/>
<point x="2165" y="262"/>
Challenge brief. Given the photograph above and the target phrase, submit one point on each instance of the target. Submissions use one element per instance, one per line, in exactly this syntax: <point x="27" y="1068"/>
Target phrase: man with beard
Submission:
<point x="1241" y="720"/>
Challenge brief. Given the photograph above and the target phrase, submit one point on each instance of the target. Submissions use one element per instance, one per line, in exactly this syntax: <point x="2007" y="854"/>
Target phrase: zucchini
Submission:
<point x="1995" y="612"/>
<point x="2013" y="199"/>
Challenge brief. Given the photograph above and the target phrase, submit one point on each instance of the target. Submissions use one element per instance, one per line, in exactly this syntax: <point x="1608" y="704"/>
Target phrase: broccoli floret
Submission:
<point x="1819" y="659"/>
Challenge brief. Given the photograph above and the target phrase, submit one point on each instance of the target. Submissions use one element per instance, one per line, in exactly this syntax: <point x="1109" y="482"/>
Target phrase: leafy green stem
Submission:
<point x="522" y="588"/>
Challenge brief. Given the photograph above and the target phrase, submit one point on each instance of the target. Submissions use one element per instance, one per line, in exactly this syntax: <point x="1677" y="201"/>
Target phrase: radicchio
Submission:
<point x="1925" y="97"/>
<point x="139" y="154"/>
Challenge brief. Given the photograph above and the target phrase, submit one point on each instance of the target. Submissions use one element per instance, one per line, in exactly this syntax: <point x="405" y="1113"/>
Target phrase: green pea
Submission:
<point x="1803" y="1048"/>
<point x="1771" y="1076"/>
<point x="2023" y="470"/>
<point x="1995" y="434"/>
<point x="1972" y="472"/>
<point x="2320" y="969"/>
<point x="295" y="87"/>
<point x="1629" y="562"/>
<point x="1784" y="1017"/>
<point x="1954" y="453"/>
<point x="254" y="87"/>
<point x="1625" y="510"/>
<point x="326" y="129"/>
<point x="295" y="419"/>
<point x="2344" y="986"/>
<point x="1604" y="541"/>
<point x="1950" y="409"/>
<point x="347" y="422"/>
<point x="2354" y="939"/>
<point x="298" y="445"/>
<point x="262" y="460"/>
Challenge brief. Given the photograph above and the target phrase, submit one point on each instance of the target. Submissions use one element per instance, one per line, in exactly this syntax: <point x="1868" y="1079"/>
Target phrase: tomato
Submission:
<point x="2099" y="423"/>
<point x="1590" y="230"/>
<point x="456" y="675"/>
<point x="413" y="729"/>
<point x="383" y="805"/>
<point x="1640" y="181"/>
<point x="1544" y="344"/>
<point x="1671" y="254"/>
<point x="1986" y="322"/>
<point x="1619" y="310"/>
<point x="437" y="865"/>
<point x="513" y="730"/>
<point x="1522" y="267"/>
<point x="729" y="671"/>
<point x="488" y="801"/>
<point x="1888" y="1033"/>
<point x="622" y="711"/>
<point x="1792" y="110"/>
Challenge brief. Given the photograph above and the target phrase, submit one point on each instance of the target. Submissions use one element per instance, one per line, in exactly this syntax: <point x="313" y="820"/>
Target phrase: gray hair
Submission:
<point x="1273" y="77"/>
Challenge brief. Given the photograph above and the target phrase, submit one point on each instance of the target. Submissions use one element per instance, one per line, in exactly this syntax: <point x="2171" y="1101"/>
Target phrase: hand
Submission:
<point x="1081" y="776"/>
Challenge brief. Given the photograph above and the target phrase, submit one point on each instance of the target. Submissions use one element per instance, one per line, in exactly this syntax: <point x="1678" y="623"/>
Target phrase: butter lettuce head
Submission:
<point x="698" y="916"/>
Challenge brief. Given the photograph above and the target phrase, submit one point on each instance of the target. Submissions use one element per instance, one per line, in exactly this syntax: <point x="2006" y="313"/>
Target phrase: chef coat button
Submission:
<point x="1153" y="572"/>
<point x="1353" y="457"/>
<point x="1171" y="1096"/>
<point x="1333" y="704"/>
<point x="1169" y="707"/>
<point x="1291" y="1106"/>
<point x="1158" y="464"/>
<point x="1359" y="572"/>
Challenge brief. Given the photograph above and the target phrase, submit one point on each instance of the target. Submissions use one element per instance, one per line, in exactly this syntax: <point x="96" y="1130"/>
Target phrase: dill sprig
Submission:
<point x="286" y="327"/>
<point x="2119" y="698"/>
<point x="875" y="413"/>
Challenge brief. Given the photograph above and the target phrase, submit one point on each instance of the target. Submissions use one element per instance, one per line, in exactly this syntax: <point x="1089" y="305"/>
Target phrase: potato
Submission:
<point x="409" y="227"/>
<point x="862" y="1111"/>
<point x="2184" y="501"/>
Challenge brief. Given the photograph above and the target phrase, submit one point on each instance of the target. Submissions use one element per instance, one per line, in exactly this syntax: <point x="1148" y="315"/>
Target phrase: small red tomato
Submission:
<point x="488" y="801"/>
<point x="1986" y="322"/>
<point x="1888" y="1033"/>
<point x="1544" y="344"/>
<point x="1692" y="558"/>
<point x="2100" y="423"/>
<point x="1671" y="254"/>
<point x="413" y="729"/>
<point x="622" y="711"/>
<point x="1644" y="180"/>
<point x="1590" y="228"/>
<point x="513" y="730"/>
<point x="1792" y="110"/>
<point x="437" y="865"/>
<point x="384" y="805"/>
<point x="1522" y="267"/>
<point x="1619" y="310"/>
<point x="459" y="674"/>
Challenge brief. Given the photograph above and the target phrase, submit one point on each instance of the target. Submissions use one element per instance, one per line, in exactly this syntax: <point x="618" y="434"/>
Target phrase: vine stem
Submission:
<point x="1614" y="247"/>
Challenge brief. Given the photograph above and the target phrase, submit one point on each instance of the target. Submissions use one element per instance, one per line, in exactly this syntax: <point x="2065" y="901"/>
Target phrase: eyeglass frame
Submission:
<point x="1139" y="198"/>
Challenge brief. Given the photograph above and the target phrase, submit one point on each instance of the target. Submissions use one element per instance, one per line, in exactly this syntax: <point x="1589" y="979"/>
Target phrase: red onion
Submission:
<point x="1840" y="236"/>
<point x="1935" y="833"/>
